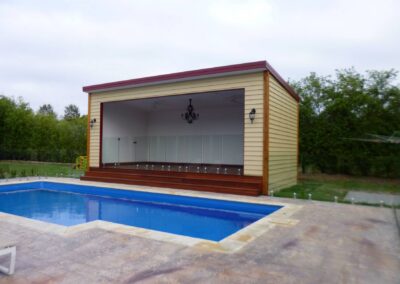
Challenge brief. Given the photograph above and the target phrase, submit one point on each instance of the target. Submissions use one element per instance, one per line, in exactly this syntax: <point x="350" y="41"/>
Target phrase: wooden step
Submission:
<point x="155" y="183"/>
<point x="176" y="179"/>
<point x="243" y="185"/>
<point x="179" y="174"/>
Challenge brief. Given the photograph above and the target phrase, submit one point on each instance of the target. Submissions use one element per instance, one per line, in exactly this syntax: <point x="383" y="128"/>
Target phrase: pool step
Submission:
<point x="243" y="185"/>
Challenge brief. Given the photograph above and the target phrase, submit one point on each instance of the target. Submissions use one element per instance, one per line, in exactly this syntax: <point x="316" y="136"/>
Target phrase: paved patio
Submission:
<point x="331" y="243"/>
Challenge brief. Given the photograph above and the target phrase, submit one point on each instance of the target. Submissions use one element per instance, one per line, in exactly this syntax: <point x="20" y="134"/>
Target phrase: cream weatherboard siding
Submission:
<point x="253" y="133"/>
<point x="283" y="137"/>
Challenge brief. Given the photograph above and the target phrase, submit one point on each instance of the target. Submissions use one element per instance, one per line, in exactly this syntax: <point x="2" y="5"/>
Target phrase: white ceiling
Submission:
<point x="229" y="98"/>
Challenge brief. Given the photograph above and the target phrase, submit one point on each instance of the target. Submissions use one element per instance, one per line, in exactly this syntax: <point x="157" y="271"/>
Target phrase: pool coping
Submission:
<point x="230" y="244"/>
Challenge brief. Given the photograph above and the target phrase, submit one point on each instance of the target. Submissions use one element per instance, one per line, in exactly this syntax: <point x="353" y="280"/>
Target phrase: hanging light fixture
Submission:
<point x="190" y="115"/>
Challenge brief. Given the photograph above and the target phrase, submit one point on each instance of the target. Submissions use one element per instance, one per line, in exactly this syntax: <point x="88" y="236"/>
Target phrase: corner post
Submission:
<point x="101" y="136"/>
<point x="265" y="181"/>
<point x="88" y="134"/>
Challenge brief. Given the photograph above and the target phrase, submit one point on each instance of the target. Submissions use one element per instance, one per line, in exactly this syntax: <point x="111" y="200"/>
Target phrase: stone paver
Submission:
<point x="373" y="198"/>
<point x="331" y="243"/>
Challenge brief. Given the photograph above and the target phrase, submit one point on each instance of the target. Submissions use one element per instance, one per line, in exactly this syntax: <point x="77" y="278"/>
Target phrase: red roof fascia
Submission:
<point x="283" y="82"/>
<point x="179" y="75"/>
<point x="258" y="65"/>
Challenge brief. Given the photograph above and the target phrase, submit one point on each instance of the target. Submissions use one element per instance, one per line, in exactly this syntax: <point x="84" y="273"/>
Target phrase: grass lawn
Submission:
<point x="325" y="187"/>
<point x="11" y="169"/>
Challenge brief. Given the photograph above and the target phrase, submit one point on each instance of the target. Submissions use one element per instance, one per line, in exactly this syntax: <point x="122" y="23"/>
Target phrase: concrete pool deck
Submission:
<point x="330" y="243"/>
<point x="373" y="198"/>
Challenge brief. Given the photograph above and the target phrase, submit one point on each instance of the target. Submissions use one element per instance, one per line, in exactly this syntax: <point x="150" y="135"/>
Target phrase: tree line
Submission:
<point x="338" y="116"/>
<point x="40" y="135"/>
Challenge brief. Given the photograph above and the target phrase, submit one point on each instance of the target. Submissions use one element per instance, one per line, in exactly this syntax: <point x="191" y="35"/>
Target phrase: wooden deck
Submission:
<point x="221" y="183"/>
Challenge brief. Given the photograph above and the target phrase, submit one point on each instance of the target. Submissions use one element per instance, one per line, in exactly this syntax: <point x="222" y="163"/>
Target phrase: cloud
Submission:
<point x="50" y="49"/>
<point x="241" y="15"/>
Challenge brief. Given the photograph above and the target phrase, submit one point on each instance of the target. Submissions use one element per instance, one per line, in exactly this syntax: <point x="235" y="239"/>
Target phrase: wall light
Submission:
<point x="92" y="122"/>
<point x="252" y="115"/>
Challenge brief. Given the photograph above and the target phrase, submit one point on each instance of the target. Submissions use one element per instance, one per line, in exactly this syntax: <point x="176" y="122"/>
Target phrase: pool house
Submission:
<point x="230" y="129"/>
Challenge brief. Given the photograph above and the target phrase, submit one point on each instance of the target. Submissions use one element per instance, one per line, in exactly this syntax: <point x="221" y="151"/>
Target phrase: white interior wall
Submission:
<point x="212" y="121"/>
<point x="215" y="138"/>
<point x="123" y="122"/>
<point x="163" y="136"/>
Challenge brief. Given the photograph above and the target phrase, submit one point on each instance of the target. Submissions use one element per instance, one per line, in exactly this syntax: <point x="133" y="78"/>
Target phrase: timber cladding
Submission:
<point x="253" y="85"/>
<point x="283" y="137"/>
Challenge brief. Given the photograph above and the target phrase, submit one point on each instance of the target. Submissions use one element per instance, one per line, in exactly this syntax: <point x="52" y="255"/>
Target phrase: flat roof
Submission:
<point x="243" y="68"/>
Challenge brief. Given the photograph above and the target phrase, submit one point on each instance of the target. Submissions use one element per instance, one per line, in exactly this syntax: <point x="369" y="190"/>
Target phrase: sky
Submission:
<point x="50" y="49"/>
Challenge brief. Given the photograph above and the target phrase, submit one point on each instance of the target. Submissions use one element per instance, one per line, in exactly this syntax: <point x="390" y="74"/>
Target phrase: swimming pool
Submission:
<point x="72" y="204"/>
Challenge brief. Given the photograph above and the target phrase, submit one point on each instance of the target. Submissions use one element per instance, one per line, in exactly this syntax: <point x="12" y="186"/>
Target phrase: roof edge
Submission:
<point x="179" y="75"/>
<point x="242" y="68"/>
<point x="283" y="82"/>
<point x="160" y="82"/>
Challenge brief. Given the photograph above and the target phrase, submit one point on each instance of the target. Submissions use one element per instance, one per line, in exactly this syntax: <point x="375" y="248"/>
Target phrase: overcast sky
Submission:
<point x="50" y="49"/>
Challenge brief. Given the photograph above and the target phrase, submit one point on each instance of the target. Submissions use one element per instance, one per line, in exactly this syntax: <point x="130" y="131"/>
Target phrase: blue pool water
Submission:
<point x="68" y="205"/>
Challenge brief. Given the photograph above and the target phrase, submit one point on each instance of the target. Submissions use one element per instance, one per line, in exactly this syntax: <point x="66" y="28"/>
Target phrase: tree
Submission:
<point x="16" y="119"/>
<point x="349" y="105"/>
<point x="47" y="109"/>
<point x="72" y="138"/>
<point x="71" y="112"/>
<point x="25" y="135"/>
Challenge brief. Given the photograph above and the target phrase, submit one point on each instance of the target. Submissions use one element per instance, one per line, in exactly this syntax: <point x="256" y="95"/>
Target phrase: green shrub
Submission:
<point x="81" y="163"/>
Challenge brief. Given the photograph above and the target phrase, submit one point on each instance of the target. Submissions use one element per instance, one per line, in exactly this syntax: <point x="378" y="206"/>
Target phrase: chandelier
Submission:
<point x="190" y="115"/>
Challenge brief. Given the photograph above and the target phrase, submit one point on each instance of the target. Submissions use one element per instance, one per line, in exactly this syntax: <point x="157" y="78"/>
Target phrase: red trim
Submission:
<point x="250" y="66"/>
<point x="179" y="75"/>
<point x="282" y="82"/>
<point x="101" y="136"/>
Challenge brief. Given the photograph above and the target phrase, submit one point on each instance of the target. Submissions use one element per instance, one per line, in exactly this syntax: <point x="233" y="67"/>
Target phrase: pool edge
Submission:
<point x="230" y="244"/>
